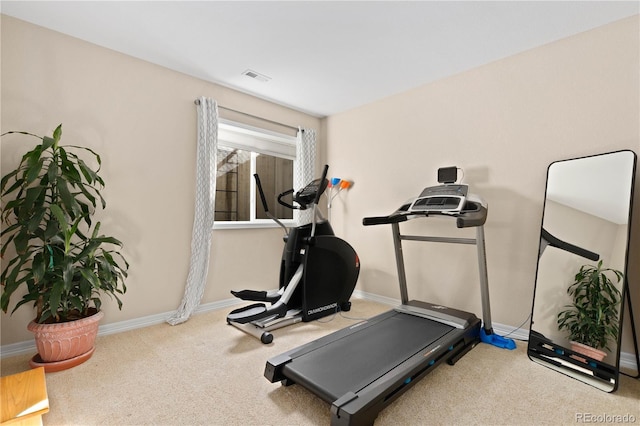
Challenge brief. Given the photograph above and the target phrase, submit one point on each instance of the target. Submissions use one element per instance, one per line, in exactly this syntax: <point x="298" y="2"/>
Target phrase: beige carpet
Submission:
<point x="205" y="372"/>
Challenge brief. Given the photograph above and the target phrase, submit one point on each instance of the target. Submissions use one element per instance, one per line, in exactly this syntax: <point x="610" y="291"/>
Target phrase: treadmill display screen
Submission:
<point x="443" y="198"/>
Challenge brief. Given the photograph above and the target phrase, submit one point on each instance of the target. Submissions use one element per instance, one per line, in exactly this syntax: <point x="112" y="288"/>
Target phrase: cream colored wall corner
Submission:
<point x="141" y="118"/>
<point x="503" y="123"/>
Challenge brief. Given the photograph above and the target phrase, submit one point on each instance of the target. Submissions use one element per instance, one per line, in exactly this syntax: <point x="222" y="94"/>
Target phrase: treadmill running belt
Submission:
<point x="351" y="363"/>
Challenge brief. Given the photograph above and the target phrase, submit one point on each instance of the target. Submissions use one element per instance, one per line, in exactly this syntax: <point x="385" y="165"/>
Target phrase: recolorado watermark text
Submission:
<point x="605" y="418"/>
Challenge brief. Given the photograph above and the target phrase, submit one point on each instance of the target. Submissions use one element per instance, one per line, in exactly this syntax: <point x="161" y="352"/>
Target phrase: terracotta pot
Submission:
<point x="596" y="354"/>
<point x="66" y="340"/>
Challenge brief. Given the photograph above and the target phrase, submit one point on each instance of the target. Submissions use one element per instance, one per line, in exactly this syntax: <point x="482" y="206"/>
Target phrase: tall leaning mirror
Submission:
<point x="582" y="260"/>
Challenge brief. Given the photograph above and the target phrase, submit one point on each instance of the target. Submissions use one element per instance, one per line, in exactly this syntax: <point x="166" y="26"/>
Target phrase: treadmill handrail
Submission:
<point x="553" y="241"/>
<point x="385" y="220"/>
<point x="474" y="215"/>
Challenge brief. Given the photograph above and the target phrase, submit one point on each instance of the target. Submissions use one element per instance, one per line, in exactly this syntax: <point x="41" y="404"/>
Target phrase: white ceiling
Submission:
<point x="323" y="57"/>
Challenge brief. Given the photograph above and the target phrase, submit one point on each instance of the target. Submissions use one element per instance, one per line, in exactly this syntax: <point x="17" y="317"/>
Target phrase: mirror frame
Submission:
<point x="544" y="351"/>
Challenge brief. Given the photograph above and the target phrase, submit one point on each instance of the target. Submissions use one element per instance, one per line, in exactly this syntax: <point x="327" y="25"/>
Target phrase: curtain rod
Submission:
<point x="197" y="102"/>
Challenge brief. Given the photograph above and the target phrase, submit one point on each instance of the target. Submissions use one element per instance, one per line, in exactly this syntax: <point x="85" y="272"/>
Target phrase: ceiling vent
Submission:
<point x="256" y="76"/>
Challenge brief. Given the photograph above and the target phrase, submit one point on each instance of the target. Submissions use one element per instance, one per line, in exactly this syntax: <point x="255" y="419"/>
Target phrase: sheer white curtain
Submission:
<point x="207" y="110"/>
<point x="304" y="169"/>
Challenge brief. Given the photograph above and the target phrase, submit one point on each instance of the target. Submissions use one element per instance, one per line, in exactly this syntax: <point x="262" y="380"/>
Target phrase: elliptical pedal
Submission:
<point x="258" y="296"/>
<point x="255" y="312"/>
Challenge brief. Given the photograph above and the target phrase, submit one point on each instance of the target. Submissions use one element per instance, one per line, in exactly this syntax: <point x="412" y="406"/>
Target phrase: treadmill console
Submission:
<point x="441" y="199"/>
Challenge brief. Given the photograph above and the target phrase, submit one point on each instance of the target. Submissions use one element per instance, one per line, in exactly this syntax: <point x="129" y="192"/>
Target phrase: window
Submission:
<point x="242" y="152"/>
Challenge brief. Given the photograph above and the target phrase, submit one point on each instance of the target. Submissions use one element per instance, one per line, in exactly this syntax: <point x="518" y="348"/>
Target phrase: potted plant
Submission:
<point x="592" y="319"/>
<point x="59" y="260"/>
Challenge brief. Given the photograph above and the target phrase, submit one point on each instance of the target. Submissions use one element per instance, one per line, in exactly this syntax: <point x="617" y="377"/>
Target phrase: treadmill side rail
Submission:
<point x="437" y="313"/>
<point x="273" y="369"/>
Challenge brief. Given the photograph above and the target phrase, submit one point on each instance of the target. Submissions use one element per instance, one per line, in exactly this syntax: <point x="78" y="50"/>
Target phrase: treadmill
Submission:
<point x="361" y="369"/>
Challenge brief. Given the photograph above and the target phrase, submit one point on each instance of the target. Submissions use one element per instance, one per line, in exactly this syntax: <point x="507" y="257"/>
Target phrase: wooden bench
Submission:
<point x="24" y="398"/>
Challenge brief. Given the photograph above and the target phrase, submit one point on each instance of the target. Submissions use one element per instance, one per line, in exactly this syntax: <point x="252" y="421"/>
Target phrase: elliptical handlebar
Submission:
<point x="262" y="197"/>
<point x="284" y="203"/>
<point x="322" y="185"/>
<point x="266" y="207"/>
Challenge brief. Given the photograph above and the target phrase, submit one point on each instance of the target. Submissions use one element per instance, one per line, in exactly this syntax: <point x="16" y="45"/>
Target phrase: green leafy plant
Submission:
<point x="592" y="319"/>
<point x="60" y="259"/>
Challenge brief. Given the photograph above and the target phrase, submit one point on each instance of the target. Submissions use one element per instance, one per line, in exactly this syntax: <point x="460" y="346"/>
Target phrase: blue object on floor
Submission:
<point x="495" y="340"/>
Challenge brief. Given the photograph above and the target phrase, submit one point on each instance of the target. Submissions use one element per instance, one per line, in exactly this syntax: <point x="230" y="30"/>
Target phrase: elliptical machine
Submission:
<point x="318" y="271"/>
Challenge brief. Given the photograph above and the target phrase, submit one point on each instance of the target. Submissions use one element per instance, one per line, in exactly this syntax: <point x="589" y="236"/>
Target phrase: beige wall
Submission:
<point x="142" y="119"/>
<point x="503" y="123"/>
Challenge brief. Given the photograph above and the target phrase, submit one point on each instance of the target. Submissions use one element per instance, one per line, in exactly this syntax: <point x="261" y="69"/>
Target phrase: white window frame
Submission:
<point x="255" y="140"/>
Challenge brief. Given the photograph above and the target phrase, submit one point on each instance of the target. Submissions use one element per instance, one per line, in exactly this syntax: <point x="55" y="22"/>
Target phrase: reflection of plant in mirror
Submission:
<point x="593" y="318"/>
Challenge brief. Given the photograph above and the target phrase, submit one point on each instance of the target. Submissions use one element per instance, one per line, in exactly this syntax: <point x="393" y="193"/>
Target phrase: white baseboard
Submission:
<point x="29" y="346"/>
<point x="627" y="360"/>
